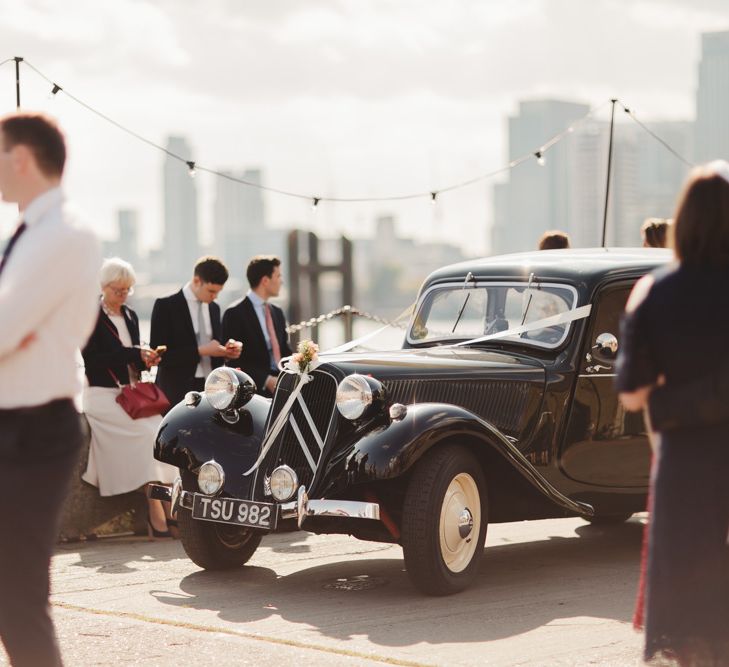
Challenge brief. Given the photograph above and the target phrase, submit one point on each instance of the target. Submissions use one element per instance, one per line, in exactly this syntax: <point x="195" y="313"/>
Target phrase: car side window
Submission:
<point x="608" y="309"/>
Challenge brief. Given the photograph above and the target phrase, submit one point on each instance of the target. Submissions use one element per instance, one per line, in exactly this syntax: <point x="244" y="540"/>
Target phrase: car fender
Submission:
<point x="390" y="450"/>
<point x="191" y="435"/>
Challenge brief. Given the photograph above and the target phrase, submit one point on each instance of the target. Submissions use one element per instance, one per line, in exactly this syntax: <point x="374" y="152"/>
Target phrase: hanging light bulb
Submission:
<point x="433" y="197"/>
<point x="52" y="94"/>
<point x="540" y="158"/>
<point x="314" y="204"/>
<point x="191" y="167"/>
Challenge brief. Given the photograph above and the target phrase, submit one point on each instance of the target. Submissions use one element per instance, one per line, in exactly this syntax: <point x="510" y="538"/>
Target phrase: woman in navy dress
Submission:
<point x="675" y="331"/>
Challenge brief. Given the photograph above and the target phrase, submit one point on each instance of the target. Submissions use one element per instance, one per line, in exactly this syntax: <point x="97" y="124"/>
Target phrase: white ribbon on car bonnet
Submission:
<point x="553" y="320"/>
<point x="280" y="420"/>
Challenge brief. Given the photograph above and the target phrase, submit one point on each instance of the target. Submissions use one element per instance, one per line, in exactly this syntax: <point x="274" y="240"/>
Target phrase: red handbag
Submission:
<point x="141" y="399"/>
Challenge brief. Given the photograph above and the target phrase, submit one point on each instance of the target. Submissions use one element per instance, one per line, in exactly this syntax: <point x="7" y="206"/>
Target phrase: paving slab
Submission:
<point x="555" y="592"/>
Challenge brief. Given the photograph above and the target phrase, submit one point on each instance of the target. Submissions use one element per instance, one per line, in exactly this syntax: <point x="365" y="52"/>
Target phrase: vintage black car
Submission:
<point x="499" y="406"/>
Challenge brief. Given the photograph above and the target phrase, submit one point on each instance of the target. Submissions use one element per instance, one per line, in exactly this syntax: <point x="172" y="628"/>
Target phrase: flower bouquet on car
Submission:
<point x="305" y="359"/>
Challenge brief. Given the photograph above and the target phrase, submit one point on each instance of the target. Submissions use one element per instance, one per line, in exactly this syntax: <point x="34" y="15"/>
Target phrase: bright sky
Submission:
<point x="335" y="98"/>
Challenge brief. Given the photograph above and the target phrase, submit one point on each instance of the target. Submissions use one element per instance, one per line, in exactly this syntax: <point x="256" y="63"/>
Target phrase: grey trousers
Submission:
<point x="39" y="448"/>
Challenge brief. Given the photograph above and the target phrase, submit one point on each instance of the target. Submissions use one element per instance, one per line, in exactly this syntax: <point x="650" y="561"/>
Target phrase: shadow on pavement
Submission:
<point x="520" y="587"/>
<point x="106" y="557"/>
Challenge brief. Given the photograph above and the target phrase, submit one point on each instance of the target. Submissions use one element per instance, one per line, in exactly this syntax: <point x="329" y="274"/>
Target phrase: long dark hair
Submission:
<point x="701" y="233"/>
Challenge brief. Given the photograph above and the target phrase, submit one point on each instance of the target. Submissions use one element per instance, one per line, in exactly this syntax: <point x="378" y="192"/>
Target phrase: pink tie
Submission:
<point x="275" y="347"/>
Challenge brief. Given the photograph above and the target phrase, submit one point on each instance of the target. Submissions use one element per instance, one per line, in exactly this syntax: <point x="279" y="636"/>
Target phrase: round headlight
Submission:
<point x="221" y="388"/>
<point x="227" y="388"/>
<point x="354" y="396"/>
<point x="283" y="483"/>
<point x="210" y="478"/>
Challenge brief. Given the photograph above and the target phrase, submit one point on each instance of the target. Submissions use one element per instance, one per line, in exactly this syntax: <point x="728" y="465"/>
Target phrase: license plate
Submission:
<point x="234" y="511"/>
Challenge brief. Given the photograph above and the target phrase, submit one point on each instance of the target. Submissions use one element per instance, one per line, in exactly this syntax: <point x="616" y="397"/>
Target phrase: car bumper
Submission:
<point x="300" y="509"/>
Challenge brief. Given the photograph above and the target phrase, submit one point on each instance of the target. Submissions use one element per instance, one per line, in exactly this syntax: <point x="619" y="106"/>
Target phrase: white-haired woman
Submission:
<point x="120" y="456"/>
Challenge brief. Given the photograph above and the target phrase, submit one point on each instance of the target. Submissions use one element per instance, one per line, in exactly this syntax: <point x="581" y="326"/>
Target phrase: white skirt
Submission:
<point x="120" y="455"/>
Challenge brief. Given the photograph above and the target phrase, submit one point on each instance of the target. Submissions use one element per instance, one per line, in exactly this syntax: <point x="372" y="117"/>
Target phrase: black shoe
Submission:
<point x="154" y="533"/>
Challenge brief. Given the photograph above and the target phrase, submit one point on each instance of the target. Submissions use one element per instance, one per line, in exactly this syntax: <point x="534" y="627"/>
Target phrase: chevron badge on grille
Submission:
<point x="300" y="437"/>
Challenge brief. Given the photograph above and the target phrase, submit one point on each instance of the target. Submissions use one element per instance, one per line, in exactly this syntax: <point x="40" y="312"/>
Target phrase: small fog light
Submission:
<point x="211" y="478"/>
<point x="284" y="483"/>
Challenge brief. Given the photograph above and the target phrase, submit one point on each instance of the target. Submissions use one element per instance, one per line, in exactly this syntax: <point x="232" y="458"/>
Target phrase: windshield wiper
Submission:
<point x="529" y="301"/>
<point x="469" y="278"/>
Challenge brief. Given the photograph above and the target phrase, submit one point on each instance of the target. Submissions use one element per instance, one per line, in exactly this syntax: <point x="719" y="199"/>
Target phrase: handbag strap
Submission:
<point x="115" y="378"/>
<point x="111" y="328"/>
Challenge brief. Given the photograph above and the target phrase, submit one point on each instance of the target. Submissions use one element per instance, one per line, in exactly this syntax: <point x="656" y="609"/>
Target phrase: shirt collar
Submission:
<point x="41" y="205"/>
<point x="256" y="300"/>
<point x="189" y="294"/>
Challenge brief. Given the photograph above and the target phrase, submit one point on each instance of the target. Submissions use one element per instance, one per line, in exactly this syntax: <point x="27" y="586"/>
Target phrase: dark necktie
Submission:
<point x="9" y="247"/>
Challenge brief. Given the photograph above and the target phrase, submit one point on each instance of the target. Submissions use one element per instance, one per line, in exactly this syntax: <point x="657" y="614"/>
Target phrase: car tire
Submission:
<point x="608" y="519"/>
<point x="447" y="487"/>
<point x="216" y="546"/>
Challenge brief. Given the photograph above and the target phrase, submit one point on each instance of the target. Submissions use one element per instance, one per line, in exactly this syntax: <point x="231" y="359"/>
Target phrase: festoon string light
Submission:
<point x="194" y="167"/>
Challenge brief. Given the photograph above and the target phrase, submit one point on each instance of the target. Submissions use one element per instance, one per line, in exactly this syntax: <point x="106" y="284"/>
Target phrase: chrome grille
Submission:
<point x="502" y="403"/>
<point x="319" y="396"/>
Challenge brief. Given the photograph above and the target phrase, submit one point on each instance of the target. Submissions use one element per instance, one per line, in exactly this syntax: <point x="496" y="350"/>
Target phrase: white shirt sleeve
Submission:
<point x="52" y="265"/>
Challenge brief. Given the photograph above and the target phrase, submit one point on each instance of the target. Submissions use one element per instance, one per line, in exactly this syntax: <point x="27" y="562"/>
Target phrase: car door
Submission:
<point x="604" y="445"/>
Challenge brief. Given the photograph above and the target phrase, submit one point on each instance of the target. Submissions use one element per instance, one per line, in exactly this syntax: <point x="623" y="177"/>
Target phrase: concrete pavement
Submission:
<point x="555" y="592"/>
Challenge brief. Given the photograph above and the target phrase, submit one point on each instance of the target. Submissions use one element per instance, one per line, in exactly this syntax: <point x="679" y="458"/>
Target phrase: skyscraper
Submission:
<point x="181" y="242"/>
<point x="128" y="235"/>
<point x="712" y="98"/>
<point x="239" y="220"/>
<point x="568" y="192"/>
<point x="535" y="198"/>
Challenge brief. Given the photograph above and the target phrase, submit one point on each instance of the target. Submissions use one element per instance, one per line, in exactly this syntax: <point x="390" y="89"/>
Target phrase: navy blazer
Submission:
<point x="104" y="351"/>
<point x="172" y="326"/>
<point x="240" y="322"/>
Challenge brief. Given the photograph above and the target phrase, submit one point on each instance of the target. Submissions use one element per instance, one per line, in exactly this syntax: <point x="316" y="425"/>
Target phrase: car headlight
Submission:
<point x="355" y="394"/>
<point x="210" y="478"/>
<point x="284" y="483"/>
<point x="227" y="388"/>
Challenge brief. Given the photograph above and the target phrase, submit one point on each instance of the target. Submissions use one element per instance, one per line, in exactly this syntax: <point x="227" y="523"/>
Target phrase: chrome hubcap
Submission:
<point x="465" y="523"/>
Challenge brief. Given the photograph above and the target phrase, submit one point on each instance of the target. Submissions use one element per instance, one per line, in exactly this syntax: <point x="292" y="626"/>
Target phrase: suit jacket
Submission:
<point x="172" y="326"/>
<point x="240" y="322"/>
<point x="104" y="351"/>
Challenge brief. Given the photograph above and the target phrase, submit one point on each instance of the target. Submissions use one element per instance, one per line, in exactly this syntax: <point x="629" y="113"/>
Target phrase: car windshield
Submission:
<point x="472" y="310"/>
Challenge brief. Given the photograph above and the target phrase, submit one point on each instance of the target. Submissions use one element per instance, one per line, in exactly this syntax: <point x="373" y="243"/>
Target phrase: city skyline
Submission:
<point x="318" y="112"/>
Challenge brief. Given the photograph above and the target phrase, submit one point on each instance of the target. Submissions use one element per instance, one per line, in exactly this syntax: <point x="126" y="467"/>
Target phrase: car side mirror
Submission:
<point x="606" y="346"/>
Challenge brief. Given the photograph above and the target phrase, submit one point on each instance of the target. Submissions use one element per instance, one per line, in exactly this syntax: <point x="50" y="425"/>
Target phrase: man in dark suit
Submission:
<point x="188" y="323"/>
<point x="260" y="325"/>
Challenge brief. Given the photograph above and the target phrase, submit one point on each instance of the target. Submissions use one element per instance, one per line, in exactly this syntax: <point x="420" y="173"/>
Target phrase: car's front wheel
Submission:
<point x="216" y="546"/>
<point x="444" y="521"/>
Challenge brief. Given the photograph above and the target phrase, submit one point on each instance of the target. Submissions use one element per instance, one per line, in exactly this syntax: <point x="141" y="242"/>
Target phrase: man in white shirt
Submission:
<point x="188" y="324"/>
<point x="48" y="306"/>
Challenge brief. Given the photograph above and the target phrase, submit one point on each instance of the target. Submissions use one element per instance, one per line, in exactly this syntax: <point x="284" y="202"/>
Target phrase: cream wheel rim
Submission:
<point x="460" y="522"/>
